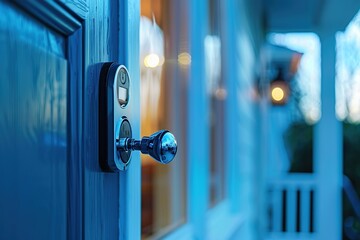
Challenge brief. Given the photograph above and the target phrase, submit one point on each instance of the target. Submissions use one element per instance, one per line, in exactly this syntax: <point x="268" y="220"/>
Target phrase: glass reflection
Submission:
<point x="163" y="64"/>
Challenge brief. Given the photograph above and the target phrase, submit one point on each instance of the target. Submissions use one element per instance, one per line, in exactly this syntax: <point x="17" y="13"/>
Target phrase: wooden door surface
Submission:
<point x="34" y="128"/>
<point x="111" y="200"/>
<point x="51" y="185"/>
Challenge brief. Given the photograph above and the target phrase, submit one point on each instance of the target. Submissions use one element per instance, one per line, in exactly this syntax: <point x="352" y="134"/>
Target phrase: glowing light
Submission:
<point x="152" y="60"/>
<point x="184" y="58"/>
<point x="277" y="94"/>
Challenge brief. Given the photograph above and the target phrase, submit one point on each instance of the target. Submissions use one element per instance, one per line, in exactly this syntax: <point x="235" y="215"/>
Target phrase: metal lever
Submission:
<point x="161" y="146"/>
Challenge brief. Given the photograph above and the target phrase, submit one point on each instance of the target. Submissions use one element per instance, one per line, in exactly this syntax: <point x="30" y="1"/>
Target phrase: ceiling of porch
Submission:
<point x="308" y="15"/>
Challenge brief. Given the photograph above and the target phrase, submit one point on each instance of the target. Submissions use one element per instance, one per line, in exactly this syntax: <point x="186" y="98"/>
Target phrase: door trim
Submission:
<point x="63" y="17"/>
<point x="129" y="180"/>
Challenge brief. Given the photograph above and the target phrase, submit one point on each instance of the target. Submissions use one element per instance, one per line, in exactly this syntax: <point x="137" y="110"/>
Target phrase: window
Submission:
<point x="164" y="65"/>
<point x="183" y="90"/>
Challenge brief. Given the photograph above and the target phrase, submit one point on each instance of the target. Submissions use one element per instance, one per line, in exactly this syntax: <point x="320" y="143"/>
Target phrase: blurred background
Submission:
<point x="264" y="98"/>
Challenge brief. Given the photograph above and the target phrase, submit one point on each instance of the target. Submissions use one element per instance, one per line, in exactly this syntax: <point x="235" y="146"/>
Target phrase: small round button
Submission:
<point x="123" y="76"/>
<point x="124" y="132"/>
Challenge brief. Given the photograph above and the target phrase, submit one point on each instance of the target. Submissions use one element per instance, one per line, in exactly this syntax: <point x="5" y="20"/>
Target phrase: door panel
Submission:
<point x="33" y="129"/>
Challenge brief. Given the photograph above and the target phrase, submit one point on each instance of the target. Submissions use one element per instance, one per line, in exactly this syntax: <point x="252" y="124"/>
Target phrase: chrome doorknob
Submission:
<point x="161" y="146"/>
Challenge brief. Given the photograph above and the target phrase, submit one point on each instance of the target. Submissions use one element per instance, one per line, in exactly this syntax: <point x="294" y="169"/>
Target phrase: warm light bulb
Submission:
<point x="277" y="94"/>
<point x="152" y="60"/>
<point x="184" y="58"/>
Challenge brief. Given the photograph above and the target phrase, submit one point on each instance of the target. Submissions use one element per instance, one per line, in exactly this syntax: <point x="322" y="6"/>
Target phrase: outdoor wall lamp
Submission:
<point x="115" y="134"/>
<point x="279" y="89"/>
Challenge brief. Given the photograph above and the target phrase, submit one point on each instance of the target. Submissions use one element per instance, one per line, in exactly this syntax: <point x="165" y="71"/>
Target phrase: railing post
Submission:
<point x="305" y="210"/>
<point x="291" y="211"/>
<point x="277" y="209"/>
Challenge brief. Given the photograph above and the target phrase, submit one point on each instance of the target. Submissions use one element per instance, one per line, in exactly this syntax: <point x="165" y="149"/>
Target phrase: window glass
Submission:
<point x="164" y="62"/>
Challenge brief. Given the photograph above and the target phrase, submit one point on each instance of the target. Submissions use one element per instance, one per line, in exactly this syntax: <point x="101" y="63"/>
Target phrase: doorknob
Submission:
<point x="115" y="134"/>
<point x="161" y="146"/>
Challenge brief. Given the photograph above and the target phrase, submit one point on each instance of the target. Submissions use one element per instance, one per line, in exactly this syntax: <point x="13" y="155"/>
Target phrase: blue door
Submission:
<point x="34" y="126"/>
<point x="51" y="184"/>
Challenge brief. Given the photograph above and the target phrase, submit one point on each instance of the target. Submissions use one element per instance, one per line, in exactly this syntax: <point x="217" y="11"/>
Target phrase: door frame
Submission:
<point x="130" y="180"/>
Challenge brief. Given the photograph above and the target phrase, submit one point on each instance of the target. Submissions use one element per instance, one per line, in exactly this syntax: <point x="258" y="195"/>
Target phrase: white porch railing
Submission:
<point x="291" y="207"/>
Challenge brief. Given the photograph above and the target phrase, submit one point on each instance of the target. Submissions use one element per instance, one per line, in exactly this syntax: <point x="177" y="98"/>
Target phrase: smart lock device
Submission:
<point x="115" y="134"/>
